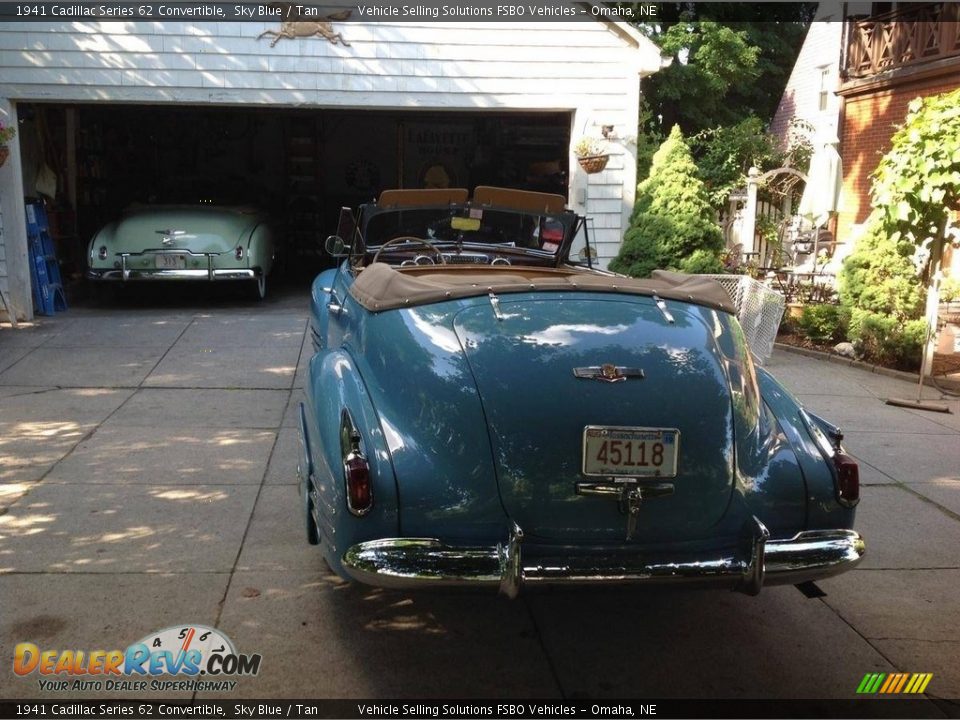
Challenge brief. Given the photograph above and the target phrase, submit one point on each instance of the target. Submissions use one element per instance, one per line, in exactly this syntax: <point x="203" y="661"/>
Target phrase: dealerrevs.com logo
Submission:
<point x="185" y="652"/>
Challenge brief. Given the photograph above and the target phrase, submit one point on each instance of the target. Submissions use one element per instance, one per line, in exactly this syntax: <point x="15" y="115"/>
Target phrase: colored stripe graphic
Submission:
<point x="862" y="687"/>
<point x="867" y="682"/>
<point x="894" y="683"/>
<point x="923" y="679"/>
<point x="903" y="681"/>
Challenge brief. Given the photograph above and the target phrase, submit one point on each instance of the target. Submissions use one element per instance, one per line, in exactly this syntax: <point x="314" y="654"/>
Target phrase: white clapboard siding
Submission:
<point x="590" y="69"/>
<point x="4" y="281"/>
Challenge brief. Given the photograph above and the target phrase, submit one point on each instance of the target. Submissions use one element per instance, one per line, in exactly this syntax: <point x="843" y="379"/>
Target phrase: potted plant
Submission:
<point x="591" y="153"/>
<point x="7" y="134"/>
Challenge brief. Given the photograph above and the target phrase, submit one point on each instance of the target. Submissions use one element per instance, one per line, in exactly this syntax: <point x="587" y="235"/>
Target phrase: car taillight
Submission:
<point x="356" y="471"/>
<point x="848" y="479"/>
<point x="239" y="253"/>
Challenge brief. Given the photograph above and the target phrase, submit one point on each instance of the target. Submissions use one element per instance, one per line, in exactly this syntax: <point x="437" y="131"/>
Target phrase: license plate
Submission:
<point x="630" y="451"/>
<point x="171" y="262"/>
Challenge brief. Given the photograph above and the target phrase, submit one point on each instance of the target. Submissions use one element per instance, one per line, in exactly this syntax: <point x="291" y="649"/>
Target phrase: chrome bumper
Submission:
<point x="423" y="562"/>
<point x="209" y="274"/>
<point x="125" y="273"/>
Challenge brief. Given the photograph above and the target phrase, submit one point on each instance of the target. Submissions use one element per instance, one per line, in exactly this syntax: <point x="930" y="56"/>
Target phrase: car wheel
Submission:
<point x="260" y="287"/>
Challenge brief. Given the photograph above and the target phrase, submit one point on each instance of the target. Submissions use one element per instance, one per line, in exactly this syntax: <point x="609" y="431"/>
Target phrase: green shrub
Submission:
<point x="824" y="323"/>
<point x="879" y="339"/>
<point x="881" y="290"/>
<point x="701" y="262"/>
<point x="672" y="223"/>
<point x="640" y="252"/>
<point x="880" y="277"/>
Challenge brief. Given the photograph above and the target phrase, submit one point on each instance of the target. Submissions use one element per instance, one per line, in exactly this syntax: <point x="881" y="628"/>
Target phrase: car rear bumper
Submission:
<point x="423" y="562"/>
<point x="124" y="272"/>
<point x="208" y="274"/>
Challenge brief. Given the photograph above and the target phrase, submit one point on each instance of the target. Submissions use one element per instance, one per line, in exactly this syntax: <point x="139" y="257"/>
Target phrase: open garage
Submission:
<point x="300" y="166"/>
<point x="111" y="114"/>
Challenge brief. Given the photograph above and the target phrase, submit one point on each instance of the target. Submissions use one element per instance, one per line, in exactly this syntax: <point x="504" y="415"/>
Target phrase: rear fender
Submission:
<point x="823" y="509"/>
<point x="334" y="385"/>
<point x="260" y="250"/>
<point x="770" y="478"/>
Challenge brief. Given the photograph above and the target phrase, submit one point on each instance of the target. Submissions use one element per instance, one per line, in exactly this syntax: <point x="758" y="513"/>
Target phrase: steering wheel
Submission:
<point x="409" y="238"/>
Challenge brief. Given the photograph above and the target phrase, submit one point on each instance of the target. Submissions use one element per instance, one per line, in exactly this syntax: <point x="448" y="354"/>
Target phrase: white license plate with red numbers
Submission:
<point x="630" y="451"/>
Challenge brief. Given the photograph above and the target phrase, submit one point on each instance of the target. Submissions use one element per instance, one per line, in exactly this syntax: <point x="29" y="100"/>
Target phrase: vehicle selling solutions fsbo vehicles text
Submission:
<point x="421" y="11"/>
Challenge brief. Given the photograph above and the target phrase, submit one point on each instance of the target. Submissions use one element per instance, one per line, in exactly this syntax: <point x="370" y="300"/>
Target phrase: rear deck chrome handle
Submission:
<point x="629" y="495"/>
<point x="616" y="489"/>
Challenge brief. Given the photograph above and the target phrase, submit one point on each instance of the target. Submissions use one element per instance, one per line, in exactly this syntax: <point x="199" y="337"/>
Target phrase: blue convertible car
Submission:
<point x="483" y="410"/>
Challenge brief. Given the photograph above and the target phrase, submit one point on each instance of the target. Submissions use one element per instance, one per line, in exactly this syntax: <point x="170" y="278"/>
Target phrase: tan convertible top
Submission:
<point x="382" y="287"/>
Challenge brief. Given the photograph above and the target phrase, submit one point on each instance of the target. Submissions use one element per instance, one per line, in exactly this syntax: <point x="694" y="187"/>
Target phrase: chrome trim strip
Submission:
<point x="495" y="304"/>
<point x="662" y="306"/>
<point x="304" y="465"/>
<point x="425" y="562"/>
<point x="171" y="251"/>
<point x="827" y="449"/>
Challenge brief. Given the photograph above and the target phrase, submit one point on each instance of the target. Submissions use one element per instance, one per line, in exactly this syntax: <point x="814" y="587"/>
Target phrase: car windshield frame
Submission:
<point x="542" y="235"/>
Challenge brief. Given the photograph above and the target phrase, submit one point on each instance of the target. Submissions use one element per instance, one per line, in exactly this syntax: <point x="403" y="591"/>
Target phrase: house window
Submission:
<point x="824" y="87"/>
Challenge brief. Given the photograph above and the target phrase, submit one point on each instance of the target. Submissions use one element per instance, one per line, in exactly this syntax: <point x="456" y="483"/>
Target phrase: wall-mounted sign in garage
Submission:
<point x="435" y="154"/>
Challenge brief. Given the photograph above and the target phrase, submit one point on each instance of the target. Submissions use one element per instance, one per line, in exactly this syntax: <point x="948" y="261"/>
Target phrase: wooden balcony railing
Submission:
<point x="907" y="36"/>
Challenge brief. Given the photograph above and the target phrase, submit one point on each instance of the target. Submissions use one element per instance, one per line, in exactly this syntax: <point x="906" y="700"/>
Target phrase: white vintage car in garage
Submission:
<point x="204" y="242"/>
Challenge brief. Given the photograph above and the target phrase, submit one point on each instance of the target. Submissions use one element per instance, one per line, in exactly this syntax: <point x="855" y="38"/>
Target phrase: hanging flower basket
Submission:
<point x="592" y="164"/>
<point x="7" y="134"/>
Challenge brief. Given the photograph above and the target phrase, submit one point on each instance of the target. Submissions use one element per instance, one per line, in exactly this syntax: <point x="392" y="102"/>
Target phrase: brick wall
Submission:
<point x="869" y="123"/>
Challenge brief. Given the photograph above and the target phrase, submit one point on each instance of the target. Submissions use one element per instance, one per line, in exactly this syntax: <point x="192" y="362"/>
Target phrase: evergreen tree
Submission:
<point x="672" y="224"/>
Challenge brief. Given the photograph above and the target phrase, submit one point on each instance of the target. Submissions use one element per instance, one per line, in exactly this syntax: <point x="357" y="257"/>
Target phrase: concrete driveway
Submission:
<point x="147" y="479"/>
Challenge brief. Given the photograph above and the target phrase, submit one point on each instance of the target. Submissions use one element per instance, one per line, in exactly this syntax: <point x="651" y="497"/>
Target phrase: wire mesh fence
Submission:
<point x="759" y="310"/>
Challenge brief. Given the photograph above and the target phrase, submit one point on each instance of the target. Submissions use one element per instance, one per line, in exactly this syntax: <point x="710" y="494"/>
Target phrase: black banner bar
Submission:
<point x="338" y="10"/>
<point x="464" y="709"/>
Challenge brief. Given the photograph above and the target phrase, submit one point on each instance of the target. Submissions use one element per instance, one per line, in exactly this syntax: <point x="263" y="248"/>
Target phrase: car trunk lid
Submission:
<point x="537" y="408"/>
<point x="197" y="229"/>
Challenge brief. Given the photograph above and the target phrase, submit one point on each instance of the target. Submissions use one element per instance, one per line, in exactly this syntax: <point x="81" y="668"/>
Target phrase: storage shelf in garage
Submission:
<point x="48" y="295"/>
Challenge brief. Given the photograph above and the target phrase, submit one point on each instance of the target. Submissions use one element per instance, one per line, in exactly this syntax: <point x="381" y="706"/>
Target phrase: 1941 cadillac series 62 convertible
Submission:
<point x="481" y="410"/>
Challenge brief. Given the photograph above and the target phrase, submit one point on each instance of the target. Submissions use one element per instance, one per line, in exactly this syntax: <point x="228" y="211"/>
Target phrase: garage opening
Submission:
<point x="93" y="161"/>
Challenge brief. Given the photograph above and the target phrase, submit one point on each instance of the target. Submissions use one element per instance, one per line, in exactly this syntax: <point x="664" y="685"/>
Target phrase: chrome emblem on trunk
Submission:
<point x="608" y="373"/>
<point x="167" y="236"/>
